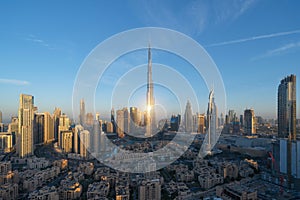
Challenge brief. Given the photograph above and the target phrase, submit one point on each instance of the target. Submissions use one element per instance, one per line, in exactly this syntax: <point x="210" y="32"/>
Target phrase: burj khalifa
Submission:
<point x="150" y="112"/>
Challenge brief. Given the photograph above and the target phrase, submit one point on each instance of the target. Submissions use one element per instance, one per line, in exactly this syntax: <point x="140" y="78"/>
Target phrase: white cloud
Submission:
<point x="191" y="17"/>
<point x="229" y="11"/>
<point x="13" y="81"/>
<point x="254" y="38"/>
<point x="243" y="7"/>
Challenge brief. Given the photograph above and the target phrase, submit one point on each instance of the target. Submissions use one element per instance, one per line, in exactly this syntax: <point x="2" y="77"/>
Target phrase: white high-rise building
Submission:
<point x="211" y="121"/>
<point x="76" y="143"/>
<point x="25" y="129"/>
<point x="103" y="142"/>
<point x="64" y="125"/>
<point x="96" y="137"/>
<point x="188" y="117"/>
<point x="84" y="143"/>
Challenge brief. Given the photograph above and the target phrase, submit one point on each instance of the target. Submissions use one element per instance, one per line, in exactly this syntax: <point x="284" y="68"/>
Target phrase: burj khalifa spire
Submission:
<point x="150" y="116"/>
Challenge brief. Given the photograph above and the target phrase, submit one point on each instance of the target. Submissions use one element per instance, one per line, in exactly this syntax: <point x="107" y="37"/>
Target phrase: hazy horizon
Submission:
<point x="253" y="43"/>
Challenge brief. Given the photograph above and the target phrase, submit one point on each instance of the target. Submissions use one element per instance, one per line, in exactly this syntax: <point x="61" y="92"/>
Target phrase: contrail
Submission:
<point x="13" y="81"/>
<point x="254" y="38"/>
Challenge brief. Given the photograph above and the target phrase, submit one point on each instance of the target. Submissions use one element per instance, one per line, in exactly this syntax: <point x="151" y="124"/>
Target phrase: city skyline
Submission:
<point x="47" y="62"/>
<point x="150" y="100"/>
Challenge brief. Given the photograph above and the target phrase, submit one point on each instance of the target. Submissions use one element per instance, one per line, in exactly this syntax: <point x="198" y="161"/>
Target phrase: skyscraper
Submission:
<point x="76" y="144"/>
<point x="89" y="119"/>
<point x="64" y="125"/>
<point x="0" y="117"/>
<point x="222" y="120"/>
<point x="95" y="137"/>
<point x="126" y="120"/>
<point x="97" y="116"/>
<point x="151" y="121"/>
<point x="249" y="122"/>
<point x="39" y="128"/>
<point x="135" y="119"/>
<point x="231" y="115"/>
<point x="195" y="122"/>
<point x="287" y="108"/>
<point x="112" y="119"/>
<point x="82" y="112"/>
<point x="242" y="120"/>
<point x="84" y="143"/>
<point x="175" y="122"/>
<point x="109" y="127"/>
<point x="201" y="123"/>
<point x="25" y="129"/>
<point x="211" y="120"/>
<point x="66" y="141"/>
<point x="13" y="128"/>
<point x="48" y="128"/>
<point x="188" y="117"/>
<point x="103" y="141"/>
<point x="56" y="115"/>
<point x="120" y="123"/>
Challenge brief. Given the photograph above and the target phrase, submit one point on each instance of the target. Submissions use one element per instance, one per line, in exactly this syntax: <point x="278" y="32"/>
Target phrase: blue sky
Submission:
<point x="43" y="43"/>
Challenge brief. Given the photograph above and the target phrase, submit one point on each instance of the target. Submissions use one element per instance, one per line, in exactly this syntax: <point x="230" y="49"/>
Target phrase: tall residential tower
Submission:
<point x="249" y="122"/>
<point x="287" y="108"/>
<point x="82" y="112"/>
<point x="25" y="130"/>
<point x="188" y="117"/>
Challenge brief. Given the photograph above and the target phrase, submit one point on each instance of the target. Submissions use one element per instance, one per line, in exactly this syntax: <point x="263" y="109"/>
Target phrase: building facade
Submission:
<point x="84" y="143"/>
<point x="149" y="190"/>
<point x="212" y="120"/>
<point x="48" y="128"/>
<point x="286" y="107"/>
<point x="249" y="122"/>
<point x="188" y="117"/>
<point x="64" y="125"/>
<point x="38" y="130"/>
<point x="25" y="126"/>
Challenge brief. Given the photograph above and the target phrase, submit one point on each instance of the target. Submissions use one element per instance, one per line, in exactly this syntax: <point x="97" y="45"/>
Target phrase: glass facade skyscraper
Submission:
<point x="287" y="108"/>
